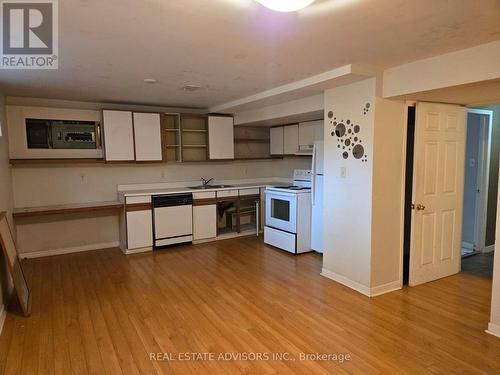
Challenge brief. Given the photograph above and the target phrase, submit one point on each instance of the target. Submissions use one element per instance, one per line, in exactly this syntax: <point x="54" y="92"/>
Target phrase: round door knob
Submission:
<point x="420" y="207"/>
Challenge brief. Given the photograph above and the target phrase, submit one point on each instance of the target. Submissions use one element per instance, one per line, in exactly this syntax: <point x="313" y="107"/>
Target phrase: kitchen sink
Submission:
<point x="204" y="187"/>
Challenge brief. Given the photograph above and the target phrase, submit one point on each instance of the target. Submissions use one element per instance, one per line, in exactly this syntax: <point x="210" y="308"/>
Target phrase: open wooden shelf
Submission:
<point x="66" y="209"/>
<point x="15" y="162"/>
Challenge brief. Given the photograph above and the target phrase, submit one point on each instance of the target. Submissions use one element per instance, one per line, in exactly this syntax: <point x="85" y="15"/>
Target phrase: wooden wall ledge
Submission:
<point x="66" y="209"/>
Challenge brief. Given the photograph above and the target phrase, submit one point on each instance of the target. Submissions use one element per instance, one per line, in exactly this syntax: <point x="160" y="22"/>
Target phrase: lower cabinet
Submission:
<point x="139" y="222"/>
<point x="204" y="222"/>
<point x="139" y="229"/>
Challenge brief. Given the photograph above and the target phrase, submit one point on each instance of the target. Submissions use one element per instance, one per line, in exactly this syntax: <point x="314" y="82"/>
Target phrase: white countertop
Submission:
<point x="177" y="190"/>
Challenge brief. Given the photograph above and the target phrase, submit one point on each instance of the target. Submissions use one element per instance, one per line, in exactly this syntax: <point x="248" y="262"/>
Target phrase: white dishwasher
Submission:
<point x="172" y="219"/>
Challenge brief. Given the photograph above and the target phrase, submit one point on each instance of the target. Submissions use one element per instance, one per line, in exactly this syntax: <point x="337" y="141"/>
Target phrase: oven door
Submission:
<point x="281" y="211"/>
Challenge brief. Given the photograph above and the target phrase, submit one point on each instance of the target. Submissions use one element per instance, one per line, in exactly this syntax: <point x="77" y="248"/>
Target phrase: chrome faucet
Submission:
<point x="206" y="182"/>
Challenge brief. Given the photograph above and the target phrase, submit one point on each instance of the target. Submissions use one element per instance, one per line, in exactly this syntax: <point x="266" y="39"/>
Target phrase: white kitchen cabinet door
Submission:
<point x="220" y="137"/>
<point x="147" y="136"/>
<point x="291" y="139"/>
<point x="118" y="131"/>
<point x="306" y="134"/>
<point x="139" y="229"/>
<point x="277" y="141"/>
<point x="204" y="222"/>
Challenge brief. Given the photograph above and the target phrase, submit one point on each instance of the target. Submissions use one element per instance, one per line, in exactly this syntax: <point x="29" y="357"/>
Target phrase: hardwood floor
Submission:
<point x="101" y="312"/>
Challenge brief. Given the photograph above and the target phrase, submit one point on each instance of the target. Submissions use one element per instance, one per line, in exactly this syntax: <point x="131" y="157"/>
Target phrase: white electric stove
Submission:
<point x="288" y="214"/>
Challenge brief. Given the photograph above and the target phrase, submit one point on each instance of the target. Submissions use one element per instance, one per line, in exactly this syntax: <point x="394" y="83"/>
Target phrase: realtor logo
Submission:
<point x="29" y="34"/>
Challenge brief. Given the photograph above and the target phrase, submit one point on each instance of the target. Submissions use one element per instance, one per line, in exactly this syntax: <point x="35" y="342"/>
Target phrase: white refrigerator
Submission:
<point x="317" y="197"/>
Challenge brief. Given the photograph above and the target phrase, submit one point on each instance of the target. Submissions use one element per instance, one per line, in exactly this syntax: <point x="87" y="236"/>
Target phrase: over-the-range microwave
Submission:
<point x="62" y="134"/>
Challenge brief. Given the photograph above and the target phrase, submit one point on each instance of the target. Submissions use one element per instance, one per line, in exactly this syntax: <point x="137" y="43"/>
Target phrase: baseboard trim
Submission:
<point x="467" y="245"/>
<point x="363" y="289"/>
<point x="137" y="251"/>
<point x="489" y="249"/>
<point x="493" y="329"/>
<point x="69" y="250"/>
<point x="385" y="288"/>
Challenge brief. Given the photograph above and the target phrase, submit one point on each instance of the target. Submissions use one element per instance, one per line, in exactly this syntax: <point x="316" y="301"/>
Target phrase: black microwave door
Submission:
<point x="37" y="133"/>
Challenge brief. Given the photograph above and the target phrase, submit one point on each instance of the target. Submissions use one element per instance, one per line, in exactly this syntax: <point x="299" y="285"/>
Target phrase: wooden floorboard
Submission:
<point x="101" y="312"/>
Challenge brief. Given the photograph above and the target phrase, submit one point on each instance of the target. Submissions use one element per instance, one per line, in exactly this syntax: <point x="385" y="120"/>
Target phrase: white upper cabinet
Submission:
<point x="118" y="135"/>
<point x="310" y="132"/>
<point x="220" y="137"/>
<point x="147" y="135"/>
<point x="291" y="139"/>
<point x="277" y="141"/>
<point x="318" y="127"/>
<point x="306" y="134"/>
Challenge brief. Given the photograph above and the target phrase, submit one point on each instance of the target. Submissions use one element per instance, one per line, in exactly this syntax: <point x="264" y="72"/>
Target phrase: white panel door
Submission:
<point x="438" y="183"/>
<point x="139" y="229"/>
<point x="118" y="135"/>
<point x="147" y="136"/>
<point x="204" y="222"/>
<point x="277" y="140"/>
<point x="291" y="139"/>
<point x="220" y="137"/>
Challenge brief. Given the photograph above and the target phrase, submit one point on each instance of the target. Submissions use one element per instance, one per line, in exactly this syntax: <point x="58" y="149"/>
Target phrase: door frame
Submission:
<point x="485" y="152"/>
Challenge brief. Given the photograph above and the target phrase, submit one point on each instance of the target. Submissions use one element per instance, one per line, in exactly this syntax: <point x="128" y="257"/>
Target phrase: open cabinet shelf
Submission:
<point x="194" y="137"/>
<point x="171" y="137"/>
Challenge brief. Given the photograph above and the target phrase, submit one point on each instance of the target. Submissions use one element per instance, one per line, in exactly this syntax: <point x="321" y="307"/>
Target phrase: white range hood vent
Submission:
<point x="305" y="150"/>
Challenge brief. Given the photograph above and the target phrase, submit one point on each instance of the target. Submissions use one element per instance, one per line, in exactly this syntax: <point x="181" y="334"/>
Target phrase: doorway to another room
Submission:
<point x="476" y="178"/>
<point x="432" y="248"/>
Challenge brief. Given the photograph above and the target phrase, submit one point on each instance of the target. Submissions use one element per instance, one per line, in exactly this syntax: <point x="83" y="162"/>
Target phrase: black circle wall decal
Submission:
<point x="358" y="151"/>
<point x="355" y="139"/>
<point x="348" y="122"/>
<point x="330" y="114"/>
<point x="333" y="133"/>
<point x="345" y="155"/>
<point x="347" y="142"/>
<point x="340" y="130"/>
<point x="356" y="129"/>
<point x="367" y="105"/>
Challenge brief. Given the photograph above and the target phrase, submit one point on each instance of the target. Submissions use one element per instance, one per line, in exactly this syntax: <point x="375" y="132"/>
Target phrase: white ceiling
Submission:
<point x="237" y="48"/>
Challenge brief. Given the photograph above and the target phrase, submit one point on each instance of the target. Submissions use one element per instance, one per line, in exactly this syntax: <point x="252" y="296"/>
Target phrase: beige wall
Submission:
<point x="388" y="193"/>
<point x="491" y="211"/>
<point x="39" y="186"/>
<point x="476" y="64"/>
<point x="5" y="197"/>
<point x="363" y="240"/>
<point x="348" y="201"/>
<point x="494" y="326"/>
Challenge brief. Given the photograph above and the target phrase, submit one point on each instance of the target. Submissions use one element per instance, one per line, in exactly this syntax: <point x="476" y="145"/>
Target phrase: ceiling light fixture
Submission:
<point x="286" y="5"/>
<point x="150" y="80"/>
